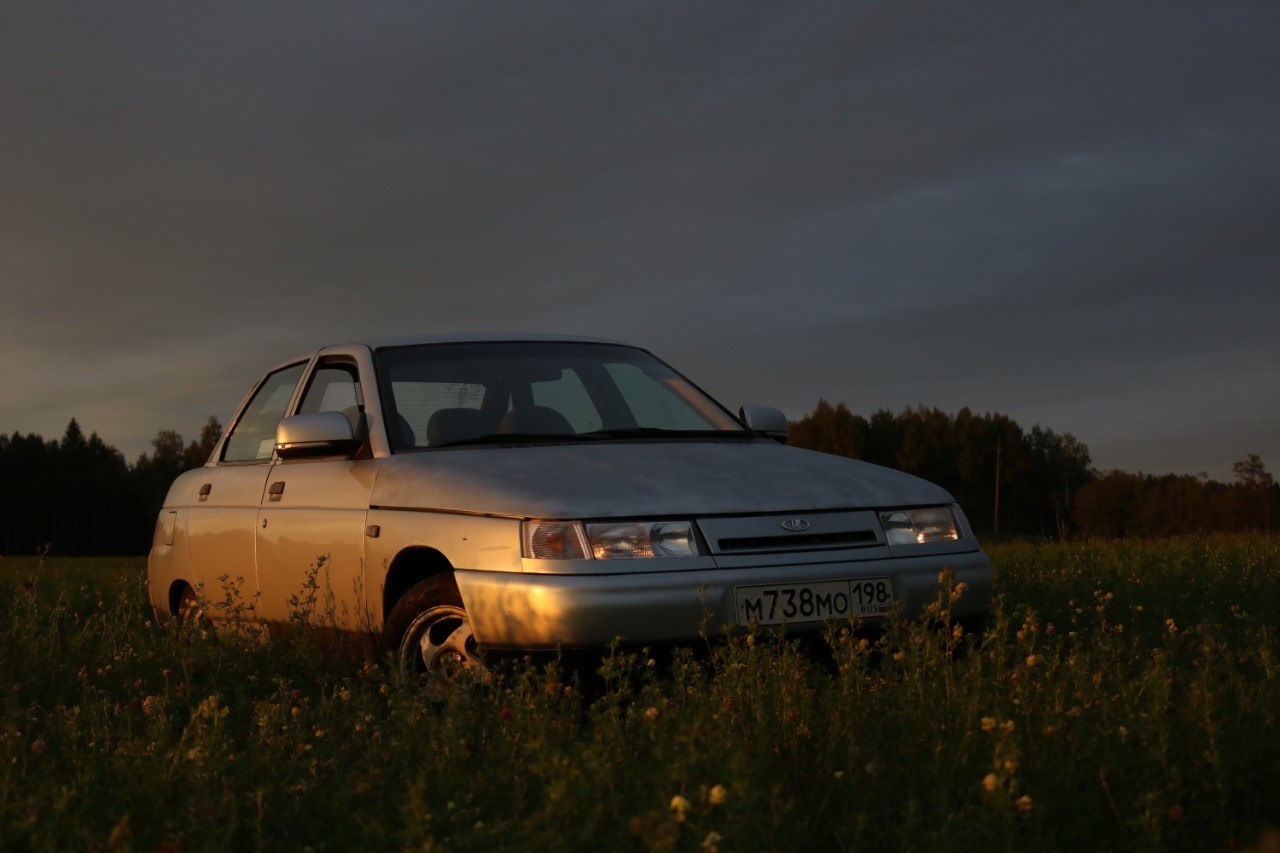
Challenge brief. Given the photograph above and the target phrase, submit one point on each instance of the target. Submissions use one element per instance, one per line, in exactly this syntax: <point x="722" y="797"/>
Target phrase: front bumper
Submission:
<point x="542" y="611"/>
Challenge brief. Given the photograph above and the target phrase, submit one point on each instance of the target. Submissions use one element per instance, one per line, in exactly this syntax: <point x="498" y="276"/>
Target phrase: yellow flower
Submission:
<point x="990" y="782"/>
<point x="717" y="795"/>
<point x="1023" y="803"/>
<point x="1031" y="660"/>
<point x="679" y="805"/>
<point x="713" y="838"/>
<point x="988" y="723"/>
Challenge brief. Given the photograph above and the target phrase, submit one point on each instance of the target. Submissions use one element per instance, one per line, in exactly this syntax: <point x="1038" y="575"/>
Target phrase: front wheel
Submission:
<point x="435" y="645"/>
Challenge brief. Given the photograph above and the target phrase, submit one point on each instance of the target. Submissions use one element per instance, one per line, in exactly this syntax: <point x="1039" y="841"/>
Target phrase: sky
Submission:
<point x="1067" y="213"/>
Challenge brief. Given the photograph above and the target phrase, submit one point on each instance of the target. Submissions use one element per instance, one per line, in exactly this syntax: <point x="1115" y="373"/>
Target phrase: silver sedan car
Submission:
<point x="447" y="494"/>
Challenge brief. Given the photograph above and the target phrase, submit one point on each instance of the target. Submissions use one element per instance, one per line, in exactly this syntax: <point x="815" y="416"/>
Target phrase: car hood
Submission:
<point x="642" y="478"/>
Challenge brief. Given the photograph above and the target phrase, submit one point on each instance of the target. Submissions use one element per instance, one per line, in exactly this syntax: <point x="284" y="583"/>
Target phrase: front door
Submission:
<point x="311" y="523"/>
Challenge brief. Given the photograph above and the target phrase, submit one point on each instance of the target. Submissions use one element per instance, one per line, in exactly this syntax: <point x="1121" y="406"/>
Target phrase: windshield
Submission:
<point x="438" y="395"/>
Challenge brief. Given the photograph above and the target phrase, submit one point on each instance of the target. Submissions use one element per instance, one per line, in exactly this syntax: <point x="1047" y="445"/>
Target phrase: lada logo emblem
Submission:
<point x="795" y="525"/>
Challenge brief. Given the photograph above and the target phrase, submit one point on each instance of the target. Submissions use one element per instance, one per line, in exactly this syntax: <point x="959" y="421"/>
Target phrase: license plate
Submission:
<point x="813" y="602"/>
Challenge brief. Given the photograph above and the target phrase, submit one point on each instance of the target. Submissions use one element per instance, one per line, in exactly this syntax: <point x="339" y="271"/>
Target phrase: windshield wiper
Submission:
<point x="659" y="432"/>
<point x="514" y="438"/>
<point x="597" y="435"/>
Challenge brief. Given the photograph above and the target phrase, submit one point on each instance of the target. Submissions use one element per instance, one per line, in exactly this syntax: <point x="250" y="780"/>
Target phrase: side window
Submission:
<point x="254" y="436"/>
<point x="568" y="396"/>
<point x="334" y="387"/>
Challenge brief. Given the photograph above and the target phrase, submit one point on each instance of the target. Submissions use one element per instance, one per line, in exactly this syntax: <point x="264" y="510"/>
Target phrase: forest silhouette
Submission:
<point x="79" y="496"/>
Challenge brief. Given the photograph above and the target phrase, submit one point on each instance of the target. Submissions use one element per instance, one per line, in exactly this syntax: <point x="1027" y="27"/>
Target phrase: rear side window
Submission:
<point x="254" y="436"/>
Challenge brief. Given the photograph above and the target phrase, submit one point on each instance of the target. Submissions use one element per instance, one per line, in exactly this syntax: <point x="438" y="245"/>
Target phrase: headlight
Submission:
<point x="918" y="526"/>
<point x="612" y="540"/>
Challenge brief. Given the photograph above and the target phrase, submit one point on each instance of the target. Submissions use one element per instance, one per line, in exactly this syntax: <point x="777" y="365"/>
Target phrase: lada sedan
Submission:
<point x="448" y="494"/>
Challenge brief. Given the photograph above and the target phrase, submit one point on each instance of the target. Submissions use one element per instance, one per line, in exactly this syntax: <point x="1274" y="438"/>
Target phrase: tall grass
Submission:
<point x="1124" y="696"/>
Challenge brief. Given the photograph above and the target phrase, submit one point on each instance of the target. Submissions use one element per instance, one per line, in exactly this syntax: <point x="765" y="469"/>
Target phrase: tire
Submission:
<point x="431" y="634"/>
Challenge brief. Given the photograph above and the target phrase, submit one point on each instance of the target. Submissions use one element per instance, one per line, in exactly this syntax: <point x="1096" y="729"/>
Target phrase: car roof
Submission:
<point x="482" y="337"/>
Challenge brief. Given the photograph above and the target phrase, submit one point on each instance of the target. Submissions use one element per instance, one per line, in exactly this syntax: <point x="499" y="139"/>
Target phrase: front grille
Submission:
<point x="800" y="541"/>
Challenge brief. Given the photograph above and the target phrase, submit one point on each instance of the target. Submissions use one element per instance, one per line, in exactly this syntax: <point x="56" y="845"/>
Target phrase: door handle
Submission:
<point x="276" y="491"/>
<point x="204" y="492"/>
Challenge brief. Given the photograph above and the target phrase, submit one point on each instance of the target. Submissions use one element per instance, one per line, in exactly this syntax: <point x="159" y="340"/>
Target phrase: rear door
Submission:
<point x="222" y="518"/>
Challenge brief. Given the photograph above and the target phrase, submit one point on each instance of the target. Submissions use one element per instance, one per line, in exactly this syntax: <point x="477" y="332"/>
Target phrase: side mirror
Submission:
<point x="315" y="434"/>
<point x="765" y="420"/>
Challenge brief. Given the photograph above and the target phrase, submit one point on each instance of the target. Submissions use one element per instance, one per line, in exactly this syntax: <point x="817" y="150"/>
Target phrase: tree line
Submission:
<point x="1017" y="482"/>
<point x="79" y="496"/>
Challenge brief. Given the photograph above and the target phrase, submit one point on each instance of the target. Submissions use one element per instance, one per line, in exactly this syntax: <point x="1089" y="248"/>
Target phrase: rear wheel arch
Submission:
<point x="178" y="591"/>
<point x="183" y="601"/>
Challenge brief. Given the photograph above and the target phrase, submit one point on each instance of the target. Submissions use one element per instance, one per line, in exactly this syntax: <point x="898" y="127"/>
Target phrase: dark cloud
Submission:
<point x="1065" y="213"/>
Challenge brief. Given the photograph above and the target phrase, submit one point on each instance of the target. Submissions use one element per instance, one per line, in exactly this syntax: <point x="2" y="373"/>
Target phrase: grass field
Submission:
<point x="1125" y="696"/>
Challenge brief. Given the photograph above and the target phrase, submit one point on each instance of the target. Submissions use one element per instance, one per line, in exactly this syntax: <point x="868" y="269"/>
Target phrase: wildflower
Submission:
<point x="1171" y="625"/>
<point x="505" y="713"/>
<point x="651" y="713"/>
<point x="1031" y="660"/>
<point x="717" y="795"/>
<point x="839" y="774"/>
<point x="988" y="723"/>
<point x="38" y="746"/>
<point x="713" y="838"/>
<point x="1023" y="803"/>
<point x="990" y="782"/>
<point x="1006" y="726"/>
<point x="679" y="805"/>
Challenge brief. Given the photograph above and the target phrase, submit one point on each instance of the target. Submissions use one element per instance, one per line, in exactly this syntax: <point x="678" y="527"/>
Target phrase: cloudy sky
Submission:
<point x="1066" y="213"/>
